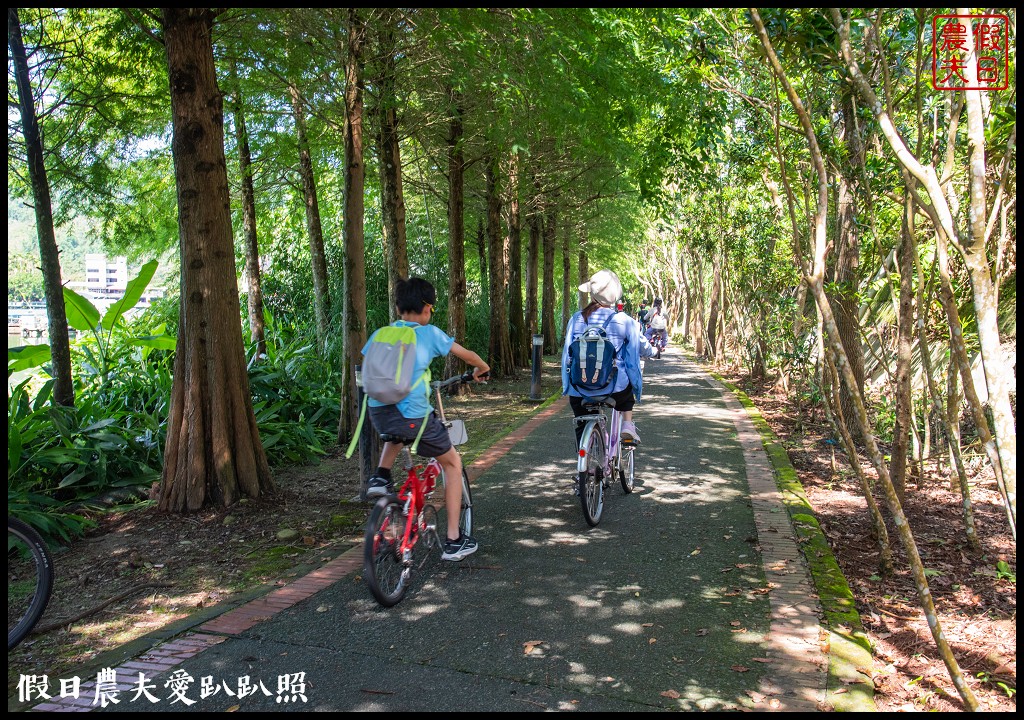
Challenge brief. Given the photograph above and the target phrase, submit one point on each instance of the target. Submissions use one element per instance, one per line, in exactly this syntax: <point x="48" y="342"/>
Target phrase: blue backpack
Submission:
<point x="592" y="367"/>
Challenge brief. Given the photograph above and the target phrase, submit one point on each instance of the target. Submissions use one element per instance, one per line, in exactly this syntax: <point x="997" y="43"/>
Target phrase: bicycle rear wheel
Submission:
<point x="385" y="572"/>
<point x="591" y="481"/>
<point x="29" y="579"/>
<point x="626" y="469"/>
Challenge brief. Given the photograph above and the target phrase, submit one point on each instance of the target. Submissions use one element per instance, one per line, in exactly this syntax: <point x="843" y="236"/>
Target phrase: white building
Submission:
<point x="104" y="278"/>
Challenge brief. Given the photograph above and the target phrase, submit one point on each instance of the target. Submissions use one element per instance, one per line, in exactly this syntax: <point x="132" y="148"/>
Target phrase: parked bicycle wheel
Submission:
<point x="591" y="481"/>
<point x="626" y="469"/>
<point x="29" y="579"/>
<point x="383" y="568"/>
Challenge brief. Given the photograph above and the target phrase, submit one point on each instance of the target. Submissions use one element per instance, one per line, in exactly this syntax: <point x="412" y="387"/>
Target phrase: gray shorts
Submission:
<point x="435" y="440"/>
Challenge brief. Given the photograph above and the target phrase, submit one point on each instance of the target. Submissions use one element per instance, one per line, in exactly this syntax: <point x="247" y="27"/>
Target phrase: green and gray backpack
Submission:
<point x="389" y="365"/>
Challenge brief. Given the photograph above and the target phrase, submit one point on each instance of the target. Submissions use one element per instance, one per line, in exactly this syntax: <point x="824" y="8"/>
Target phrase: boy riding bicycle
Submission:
<point x="414" y="300"/>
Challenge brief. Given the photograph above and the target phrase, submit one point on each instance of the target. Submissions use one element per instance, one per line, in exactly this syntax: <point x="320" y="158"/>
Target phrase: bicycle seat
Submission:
<point x="599" y="401"/>
<point x="397" y="438"/>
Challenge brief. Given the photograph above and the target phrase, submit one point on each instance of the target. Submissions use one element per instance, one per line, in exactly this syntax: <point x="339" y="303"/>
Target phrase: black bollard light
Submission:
<point x="538" y="346"/>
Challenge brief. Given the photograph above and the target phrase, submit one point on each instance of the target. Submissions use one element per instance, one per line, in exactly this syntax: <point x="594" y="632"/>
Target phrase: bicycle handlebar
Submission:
<point x="466" y="377"/>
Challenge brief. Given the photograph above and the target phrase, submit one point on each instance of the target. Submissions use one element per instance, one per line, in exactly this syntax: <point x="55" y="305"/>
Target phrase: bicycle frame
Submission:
<point x="419" y="483"/>
<point x="598" y="423"/>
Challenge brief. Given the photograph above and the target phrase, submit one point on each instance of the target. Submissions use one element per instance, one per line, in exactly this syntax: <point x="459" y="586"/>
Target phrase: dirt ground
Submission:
<point x="163" y="568"/>
<point x="977" y="605"/>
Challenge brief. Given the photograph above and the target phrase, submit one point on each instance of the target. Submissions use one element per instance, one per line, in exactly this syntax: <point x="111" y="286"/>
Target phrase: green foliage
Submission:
<point x="296" y="395"/>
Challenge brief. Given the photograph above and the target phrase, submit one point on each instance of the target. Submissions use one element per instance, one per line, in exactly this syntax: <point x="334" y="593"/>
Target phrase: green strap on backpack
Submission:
<point x="389" y="364"/>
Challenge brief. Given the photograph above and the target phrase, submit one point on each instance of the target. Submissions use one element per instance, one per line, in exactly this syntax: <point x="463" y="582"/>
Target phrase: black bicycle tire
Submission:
<point x="374" y="543"/>
<point x="466" y="512"/>
<point x="626" y="476"/>
<point x="44" y="579"/>
<point x="591" y="485"/>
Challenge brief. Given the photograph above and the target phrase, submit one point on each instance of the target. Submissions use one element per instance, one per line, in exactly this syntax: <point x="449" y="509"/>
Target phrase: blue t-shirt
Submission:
<point x="431" y="342"/>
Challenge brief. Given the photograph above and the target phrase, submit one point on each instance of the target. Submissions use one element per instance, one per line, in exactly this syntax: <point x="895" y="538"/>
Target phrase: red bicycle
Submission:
<point x="404" y="530"/>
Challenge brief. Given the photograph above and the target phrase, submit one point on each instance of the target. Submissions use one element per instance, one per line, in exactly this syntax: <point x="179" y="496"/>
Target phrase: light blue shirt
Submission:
<point x="630" y="345"/>
<point x="431" y="342"/>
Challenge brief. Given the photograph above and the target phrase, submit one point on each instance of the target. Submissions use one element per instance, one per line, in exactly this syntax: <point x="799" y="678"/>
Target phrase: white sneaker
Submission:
<point x="629" y="432"/>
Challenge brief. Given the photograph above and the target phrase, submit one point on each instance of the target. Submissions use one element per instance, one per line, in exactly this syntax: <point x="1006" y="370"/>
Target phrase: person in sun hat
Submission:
<point x="625" y="335"/>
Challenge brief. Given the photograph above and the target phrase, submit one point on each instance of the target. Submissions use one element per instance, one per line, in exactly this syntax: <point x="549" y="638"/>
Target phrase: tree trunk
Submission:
<point x="390" y="158"/>
<point x="547" y="309"/>
<point x="697" y="316"/>
<point x="998" y="376"/>
<point x="1004" y="448"/>
<point x="905" y="330"/>
<point x="816" y="282"/>
<point x="517" y="321"/>
<point x="213" y="453"/>
<point x="534" y="223"/>
<point x="712" y="335"/>
<point x="352" y="227"/>
<point x="56" y="316"/>
<point x="567" y="294"/>
<point x="481" y="249"/>
<point x="253" y="280"/>
<point x="846" y="278"/>
<point x="500" y="350"/>
<point x="584" y="268"/>
<point x="321" y="288"/>
<point x="456" y="230"/>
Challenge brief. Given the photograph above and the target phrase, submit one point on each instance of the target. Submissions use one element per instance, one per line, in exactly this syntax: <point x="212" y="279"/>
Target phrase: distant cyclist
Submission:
<point x="630" y="345"/>
<point x="641" y="315"/>
<point x="657" y="325"/>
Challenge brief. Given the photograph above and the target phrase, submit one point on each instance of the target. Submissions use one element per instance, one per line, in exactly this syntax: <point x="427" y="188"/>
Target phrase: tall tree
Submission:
<point x="213" y="453"/>
<point x="390" y="158"/>
<point x="1003" y="447"/>
<point x="517" y="320"/>
<point x="547" y="309"/>
<point x="500" y="349"/>
<point x="846" y="270"/>
<point x="567" y="294"/>
<point x="314" y="227"/>
<point x="456" y="226"/>
<point x="816" y="283"/>
<point x="355" y="245"/>
<point x="534" y="224"/>
<point x="57" y="320"/>
<point x="257" y="332"/>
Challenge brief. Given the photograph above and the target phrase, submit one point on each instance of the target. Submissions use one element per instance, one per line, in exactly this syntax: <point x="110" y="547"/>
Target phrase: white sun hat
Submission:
<point x="604" y="287"/>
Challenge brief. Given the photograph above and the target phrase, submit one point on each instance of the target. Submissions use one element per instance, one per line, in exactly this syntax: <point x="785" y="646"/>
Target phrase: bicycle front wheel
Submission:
<point x="384" y="570"/>
<point x="465" y="511"/>
<point x="591" y="481"/>
<point x="626" y="469"/>
<point x="29" y="580"/>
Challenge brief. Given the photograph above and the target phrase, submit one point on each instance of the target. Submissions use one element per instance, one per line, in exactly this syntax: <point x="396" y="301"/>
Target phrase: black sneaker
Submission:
<point x="458" y="549"/>
<point x="379" y="487"/>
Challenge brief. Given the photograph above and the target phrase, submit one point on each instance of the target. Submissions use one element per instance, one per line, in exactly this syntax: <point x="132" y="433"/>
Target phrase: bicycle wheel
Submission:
<point x="626" y="469"/>
<point x="29" y="579"/>
<point x="465" y="513"/>
<point x="591" y="481"/>
<point x="385" y="572"/>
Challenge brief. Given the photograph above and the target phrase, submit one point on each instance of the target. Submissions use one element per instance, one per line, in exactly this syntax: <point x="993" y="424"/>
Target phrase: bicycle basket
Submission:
<point x="457" y="432"/>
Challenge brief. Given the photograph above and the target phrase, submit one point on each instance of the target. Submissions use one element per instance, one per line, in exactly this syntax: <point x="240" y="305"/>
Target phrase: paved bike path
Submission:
<point x="667" y="604"/>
